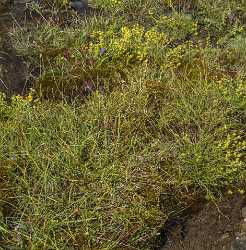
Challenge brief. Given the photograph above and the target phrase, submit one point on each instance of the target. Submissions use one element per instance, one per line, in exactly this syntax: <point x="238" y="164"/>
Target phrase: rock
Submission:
<point x="79" y="6"/>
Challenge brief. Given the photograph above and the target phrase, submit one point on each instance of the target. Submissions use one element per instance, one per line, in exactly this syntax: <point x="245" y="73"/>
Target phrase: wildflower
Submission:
<point x="29" y="98"/>
<point x="102" y="51"/>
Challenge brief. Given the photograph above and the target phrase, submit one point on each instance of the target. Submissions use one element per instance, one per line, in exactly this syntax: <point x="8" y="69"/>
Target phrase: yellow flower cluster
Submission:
<point x="24" y="99"/>
<point x="227" y="86"/>
<point x="129" y="43"/>
<point x="234" y="147"/>
<point x="155" y="38"/>
<point x="174" y="57"/>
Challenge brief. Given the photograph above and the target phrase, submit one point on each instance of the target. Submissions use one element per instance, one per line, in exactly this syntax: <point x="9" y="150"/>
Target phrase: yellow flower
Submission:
<point x="29" y="98"/>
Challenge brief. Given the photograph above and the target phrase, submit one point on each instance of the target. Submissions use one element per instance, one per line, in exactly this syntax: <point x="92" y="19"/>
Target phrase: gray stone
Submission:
<point x="79" y="6"/>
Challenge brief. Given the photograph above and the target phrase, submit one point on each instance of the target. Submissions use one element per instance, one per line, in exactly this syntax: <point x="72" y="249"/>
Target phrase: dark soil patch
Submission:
<point x="215" y="227"/>
<point x="12" y="70"/>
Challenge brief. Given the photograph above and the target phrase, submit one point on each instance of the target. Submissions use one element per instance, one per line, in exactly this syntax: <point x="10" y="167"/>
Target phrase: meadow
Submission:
<point x="137" y="112"/>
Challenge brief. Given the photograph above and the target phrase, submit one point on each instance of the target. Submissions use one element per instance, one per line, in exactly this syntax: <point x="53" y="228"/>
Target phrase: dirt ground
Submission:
<point x="13" y="70"/>
<point x="218" y="226"/>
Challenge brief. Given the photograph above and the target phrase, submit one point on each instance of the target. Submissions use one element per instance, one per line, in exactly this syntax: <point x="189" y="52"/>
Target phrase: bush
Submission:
<point x="92" y="174"/>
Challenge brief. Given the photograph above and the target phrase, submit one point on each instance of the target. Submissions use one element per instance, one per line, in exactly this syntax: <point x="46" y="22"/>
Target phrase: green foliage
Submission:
<point x="177" y="26"/>
<point x="92" y="174"/>
<point x="166" y="114"/>
<point x="130" y="45"/>
<point x="109" y="4"/>
<point x="58" y="3"/>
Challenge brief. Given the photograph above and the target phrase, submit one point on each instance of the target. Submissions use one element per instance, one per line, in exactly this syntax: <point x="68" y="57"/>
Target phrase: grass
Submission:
<point x="163" y="128"/>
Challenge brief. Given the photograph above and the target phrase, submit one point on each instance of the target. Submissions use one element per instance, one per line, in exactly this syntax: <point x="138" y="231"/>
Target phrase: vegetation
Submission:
<point x="138" y="112"/>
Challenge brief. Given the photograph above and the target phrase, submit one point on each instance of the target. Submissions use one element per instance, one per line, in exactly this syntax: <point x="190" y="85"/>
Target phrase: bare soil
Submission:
<point x="215" y="227"/>
<point x="13" y="69"/>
